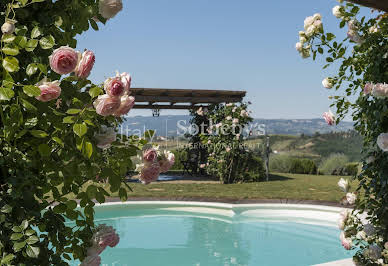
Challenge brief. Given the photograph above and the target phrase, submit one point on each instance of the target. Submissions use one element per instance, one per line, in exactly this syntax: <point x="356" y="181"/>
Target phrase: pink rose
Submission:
<point x="167" y="161"/>
<point x="48" y="90"/>
<point x="94" y="260"/>
<point x="85" y="64"/>
<point x="103" y="236"/>
<point x="114" y="87"/>
<point x="149" y="173"/>
<point x="127" y="102"/>
<point x="368" y="88"/>
<point x="150" y="155"/>
<point x="329" y="118"/>
<point x="64" y="60"/>
<point x="106" y="105"/>
<point x="346" y="242"/>
<point x="126" y="79"/>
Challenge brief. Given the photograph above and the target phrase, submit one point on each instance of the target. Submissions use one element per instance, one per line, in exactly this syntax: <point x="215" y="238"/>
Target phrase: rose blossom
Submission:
<point x="106" y="105"/>
<point x="337" y="11"/>
<point x="227" y="149"/>
<point x="64" y="60"/>
<point x="103" y="236"/>
<point x="105" y="137"/>
<point x="382" y="141"/>
<point x="351" y="198"/>
<point x="200" y="112"/>
<point x="327" y="83"/>
<point x="93" y="260"/>
<point x="48" y="90"/>
<point x="85" y="64"/>
<point x="346" y="242"/>
<point x="8" y="27"/>
<point x="344" y="184"/>
<point x="114" y="87"/>
<point x="386" y="245"/>
<point x="109" y="8"/>
<point x="368" y="88"/>
<point x="167" y="161"/>
<point x="380" y="90"/>
<point x="329" y="118"/>
<point x="344" y="215"/>
<point x="149" y="173"/>
<point x="202" y="165"/>
<point x="235" y="121"/>
<point x="299" y="46"/>
<point x="127" y="102"/>
<point x="126" y="79"/>
<point x="150" y="155"/>
<point x="228" y="117"/>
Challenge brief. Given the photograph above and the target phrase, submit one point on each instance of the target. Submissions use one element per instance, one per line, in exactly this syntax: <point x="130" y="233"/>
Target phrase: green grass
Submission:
<point x="283" y="186"/>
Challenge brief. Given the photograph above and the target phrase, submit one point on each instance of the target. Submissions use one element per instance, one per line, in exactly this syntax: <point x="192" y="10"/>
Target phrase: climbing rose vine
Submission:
<point x="58" y="134"/>
<point x="360" y="87"/>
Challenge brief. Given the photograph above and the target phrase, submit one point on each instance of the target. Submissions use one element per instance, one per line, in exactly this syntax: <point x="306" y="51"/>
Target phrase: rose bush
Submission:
<point x="361" y="63"/>
<point x="57" y="133"/>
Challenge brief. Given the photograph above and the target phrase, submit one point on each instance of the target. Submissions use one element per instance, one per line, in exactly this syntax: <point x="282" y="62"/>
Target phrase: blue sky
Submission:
<point x="218" y="44"/>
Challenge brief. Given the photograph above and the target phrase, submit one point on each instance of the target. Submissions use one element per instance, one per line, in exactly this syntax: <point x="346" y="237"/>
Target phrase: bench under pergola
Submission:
<point x="157" y="99"/>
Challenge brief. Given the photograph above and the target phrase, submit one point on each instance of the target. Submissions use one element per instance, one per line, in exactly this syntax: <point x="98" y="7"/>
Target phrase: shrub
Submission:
<point x="303" y="166"/>
<point x="180" y="155"/>
<point x="280" y="163"/>
<point x="352" y="169"/>
<point x="334" y="164"/>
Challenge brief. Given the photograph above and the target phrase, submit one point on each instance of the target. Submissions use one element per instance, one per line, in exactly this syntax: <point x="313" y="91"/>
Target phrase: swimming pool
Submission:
<point x="192" y="233"/>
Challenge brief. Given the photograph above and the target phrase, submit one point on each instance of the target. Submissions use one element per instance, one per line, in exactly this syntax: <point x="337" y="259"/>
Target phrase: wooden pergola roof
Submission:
<point x="150" y="98"/>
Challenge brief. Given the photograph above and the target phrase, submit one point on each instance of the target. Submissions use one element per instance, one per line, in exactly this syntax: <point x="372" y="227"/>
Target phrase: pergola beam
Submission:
<point x="377" y="4"/>
<point x="167" y="107"/>
<point x="168" y="99"/>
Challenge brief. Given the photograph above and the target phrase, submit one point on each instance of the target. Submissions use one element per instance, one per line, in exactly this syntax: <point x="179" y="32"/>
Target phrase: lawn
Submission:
<point x="282" y="186"/>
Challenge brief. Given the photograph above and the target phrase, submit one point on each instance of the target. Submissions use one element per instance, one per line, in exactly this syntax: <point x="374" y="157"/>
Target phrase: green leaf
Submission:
<point x="47" y="42"/>
<point x="80" y="129"/>
<point x="23" y="2"/>
<point x="91" y="191"/>
<point x="95" y="91"/>
<point x="35" y="33"/>
<point x="123" y="194"/>
<point x="42" y="68"/>
<point x="38" y="133"/>
<point x="58" y="140"/>
<point x="31" y="90"/>
<point x="10" y="50"/>
<point x="24" y="224"/>
<point x="21" y="41"/>
<point x="30" y="232"/>
<point x="71" y="204"/>
<point x="31" y="45"/>
<point x="44" y="150"/>
<point x="19" y="245"/>
<point x="60" y="208"/>
<point x="6" y="94"/>
<point x="32" y="240"/>
<point x="8" y="38"/>
<point x="6" y="209"/>
<point x="330" y="36"/>
<point x="69" y="119"/>
<point x="87" y="149"/>
<point x="17" y="229"/>
<point x="100" y="197"/>
<point x="11" y="64"/>
<point x="32" y="252"/>
<point x="16" y="236"/>
<point x="31" y="69"/>
<point x="7" y="259"/>
<point x="37" y="1"/>
<point x="73" y="111"/>
<point x="29" y="106"/>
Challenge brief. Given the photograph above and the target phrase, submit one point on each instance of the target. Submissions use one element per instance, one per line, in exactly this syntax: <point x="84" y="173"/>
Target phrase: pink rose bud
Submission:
<point x="64" y="60"/>
<point x="48" y="90"/>
<point x="127" y="102"/>
<point x="150" y="155"/>
<point x="149" y="173"/>
<point x="329" y="118"/>
<point x="106" y="105"/>
<point x="94" y="260"/>
<point x="85" y="64"/>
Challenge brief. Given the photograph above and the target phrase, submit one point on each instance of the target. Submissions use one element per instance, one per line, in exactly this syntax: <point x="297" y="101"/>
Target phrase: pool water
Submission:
<point x="162" y="237"/>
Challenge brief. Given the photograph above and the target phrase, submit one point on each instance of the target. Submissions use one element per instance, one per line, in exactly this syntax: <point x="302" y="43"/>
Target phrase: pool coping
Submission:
<point x="231" y="201"/>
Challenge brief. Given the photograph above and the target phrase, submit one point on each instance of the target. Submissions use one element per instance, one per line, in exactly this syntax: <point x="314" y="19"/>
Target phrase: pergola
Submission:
<point x="156" y="99"/>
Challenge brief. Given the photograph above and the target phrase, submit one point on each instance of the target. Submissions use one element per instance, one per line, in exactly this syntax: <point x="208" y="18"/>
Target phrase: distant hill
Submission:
<point x="172" y="125"/>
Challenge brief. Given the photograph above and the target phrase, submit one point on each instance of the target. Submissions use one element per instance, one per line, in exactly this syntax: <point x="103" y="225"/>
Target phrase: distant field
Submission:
<point x="281" y="186"/>
<point x="314" y="147"/>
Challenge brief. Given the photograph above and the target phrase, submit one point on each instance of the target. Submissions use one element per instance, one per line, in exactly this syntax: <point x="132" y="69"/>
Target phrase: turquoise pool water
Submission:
<point x="163" y="237"/>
